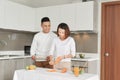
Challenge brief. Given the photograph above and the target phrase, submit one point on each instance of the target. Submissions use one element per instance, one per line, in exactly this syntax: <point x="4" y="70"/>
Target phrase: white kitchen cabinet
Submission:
<point x="2" y="3"/>
<point x="8" y="66"/>
<point x="10" y="69"/>
<point x="92" y="67"/>
<point x="1" y="69"/>
<point x="19" y="17"/>
<point x="54" y="14"/>
<point x="68" y="15"/>
<point x="84" y="15"/>
<point x="27" y="19"/>
<point x="78" y="16"/>
<point x="39" y="14"/>
<point x="11" y="15"/>
<point x="19" y="64"/>
<point x="28" y="61"/>
<point x="57" y="15"/>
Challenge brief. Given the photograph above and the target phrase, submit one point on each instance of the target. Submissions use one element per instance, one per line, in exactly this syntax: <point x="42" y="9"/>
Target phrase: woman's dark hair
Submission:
<point x="45" y="19"/>
<point x="65" y="27"/>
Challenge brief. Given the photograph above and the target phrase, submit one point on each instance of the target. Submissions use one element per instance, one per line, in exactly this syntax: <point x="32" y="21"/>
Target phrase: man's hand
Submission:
<point x="48" y="58"/>
<point x="33" y="57"/>
<point x="51" y="62"/>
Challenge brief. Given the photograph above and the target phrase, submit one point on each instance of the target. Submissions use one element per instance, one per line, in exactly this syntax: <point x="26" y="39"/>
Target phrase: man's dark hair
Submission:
<point x="45" y="19"/>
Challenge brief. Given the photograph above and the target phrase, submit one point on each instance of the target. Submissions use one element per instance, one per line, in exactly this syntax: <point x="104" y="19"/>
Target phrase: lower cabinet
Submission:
<point x="8" y="66"/>
<point x="2" y="70"/>
<point x="28" y="61"/>
<point x="19" y="63"/>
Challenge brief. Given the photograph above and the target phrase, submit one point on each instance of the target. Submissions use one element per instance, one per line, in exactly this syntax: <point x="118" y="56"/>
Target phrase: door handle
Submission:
<point x="106" y="54"/>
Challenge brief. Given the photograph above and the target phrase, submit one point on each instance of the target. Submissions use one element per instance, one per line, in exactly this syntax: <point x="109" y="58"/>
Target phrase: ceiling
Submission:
<point x="43" y="3"/>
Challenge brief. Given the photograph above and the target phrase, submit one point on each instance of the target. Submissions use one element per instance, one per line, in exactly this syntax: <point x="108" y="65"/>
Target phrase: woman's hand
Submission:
<point x="68" y="56"/>
<point x="58" y="59"/>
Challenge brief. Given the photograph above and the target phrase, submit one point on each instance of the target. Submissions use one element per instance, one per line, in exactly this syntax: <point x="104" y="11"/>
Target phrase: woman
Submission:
<point x="63" y="46"/>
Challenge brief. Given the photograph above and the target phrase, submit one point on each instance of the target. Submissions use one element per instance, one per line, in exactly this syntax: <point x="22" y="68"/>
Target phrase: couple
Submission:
<point x="47" y="44"/>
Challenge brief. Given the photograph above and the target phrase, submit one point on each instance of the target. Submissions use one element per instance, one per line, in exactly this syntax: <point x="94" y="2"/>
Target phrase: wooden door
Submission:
<point x="110" y="45"/>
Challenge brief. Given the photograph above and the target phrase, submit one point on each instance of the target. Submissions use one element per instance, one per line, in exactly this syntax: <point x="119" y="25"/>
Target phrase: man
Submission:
<point x="42" y="42"/>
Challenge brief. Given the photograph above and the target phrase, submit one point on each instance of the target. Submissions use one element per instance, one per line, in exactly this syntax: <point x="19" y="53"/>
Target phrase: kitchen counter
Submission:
<point x="14" y="56"/>
<point x="42" y="74"/>
<point x="88" y="57"/>
<point x="85" y="59"/>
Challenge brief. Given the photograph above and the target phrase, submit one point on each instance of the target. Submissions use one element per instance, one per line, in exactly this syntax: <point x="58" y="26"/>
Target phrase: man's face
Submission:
<point x="46" y="27"/>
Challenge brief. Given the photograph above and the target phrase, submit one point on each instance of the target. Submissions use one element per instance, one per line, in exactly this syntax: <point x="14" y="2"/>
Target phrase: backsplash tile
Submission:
<point x="86" y="42"/>
<point x="16" y="40"/>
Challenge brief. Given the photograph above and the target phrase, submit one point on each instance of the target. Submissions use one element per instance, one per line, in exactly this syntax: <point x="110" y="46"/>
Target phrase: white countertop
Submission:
<point x="88" y="57"/>
<point x="42" y="74"/>
<point x="14" y="57"/>
<point x="84" y="59"/>
<point x="16" y="54"/>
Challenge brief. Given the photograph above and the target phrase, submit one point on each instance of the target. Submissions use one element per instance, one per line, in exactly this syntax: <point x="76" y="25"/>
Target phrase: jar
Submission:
<point x="76" y="71"/>
<point x="82" y="70"/>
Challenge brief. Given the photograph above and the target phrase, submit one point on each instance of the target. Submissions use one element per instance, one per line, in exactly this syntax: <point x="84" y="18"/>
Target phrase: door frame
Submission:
<point x="103" y="35"/>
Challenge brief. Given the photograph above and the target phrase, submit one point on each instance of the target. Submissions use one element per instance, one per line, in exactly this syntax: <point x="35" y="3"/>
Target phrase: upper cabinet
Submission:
<point x="68" y="15"/>
<point x="78" y="16"/>
<point x="52" y="12"/>
<point x="27" y="19"/>
<point x="11" y="15"/>
<point x="19" y="17"/>
<point x="2" y="16"/>
<point x="84" y="16"/>
<point x="40" y="13"/>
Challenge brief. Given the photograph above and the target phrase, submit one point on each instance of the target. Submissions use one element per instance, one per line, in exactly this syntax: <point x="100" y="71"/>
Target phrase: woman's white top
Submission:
<point x="41" y="43"/>
<point x="60" y="48"/>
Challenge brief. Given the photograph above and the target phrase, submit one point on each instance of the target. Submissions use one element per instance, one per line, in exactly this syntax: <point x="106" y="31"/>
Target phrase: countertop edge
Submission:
<point x="16" y="57"/>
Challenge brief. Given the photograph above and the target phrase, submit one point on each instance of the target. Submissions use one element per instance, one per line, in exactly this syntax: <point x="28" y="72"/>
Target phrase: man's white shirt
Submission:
<point x="41" y="43"/>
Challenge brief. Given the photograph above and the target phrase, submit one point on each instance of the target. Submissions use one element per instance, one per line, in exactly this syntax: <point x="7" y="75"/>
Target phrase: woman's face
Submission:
<point x="61" y="33"/>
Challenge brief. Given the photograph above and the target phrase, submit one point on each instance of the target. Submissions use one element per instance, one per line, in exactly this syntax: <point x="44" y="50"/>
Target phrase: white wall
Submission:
<point x="97" y="20"/>
<point x="99" y="36"/>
